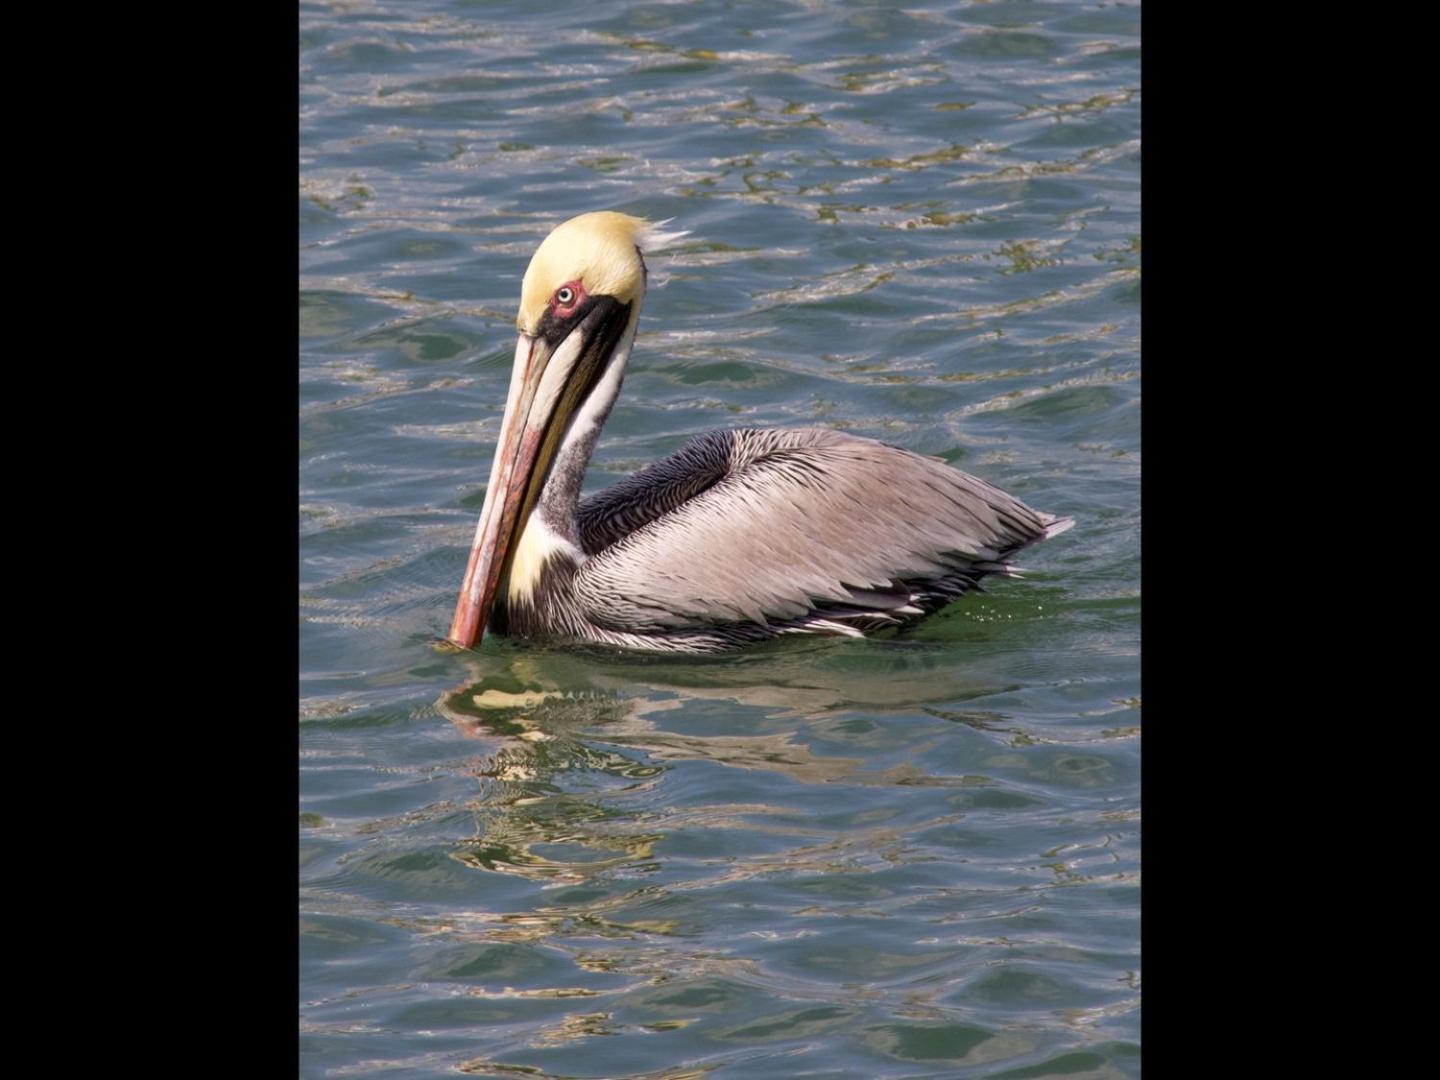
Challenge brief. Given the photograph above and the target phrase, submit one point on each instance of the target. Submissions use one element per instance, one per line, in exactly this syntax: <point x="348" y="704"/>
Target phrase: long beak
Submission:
<point x="536" y="413"/>
<point x="514" y="461"/>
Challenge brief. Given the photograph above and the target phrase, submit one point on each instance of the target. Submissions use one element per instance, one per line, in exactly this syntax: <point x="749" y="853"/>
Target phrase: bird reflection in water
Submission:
<point x="578" y="742"/>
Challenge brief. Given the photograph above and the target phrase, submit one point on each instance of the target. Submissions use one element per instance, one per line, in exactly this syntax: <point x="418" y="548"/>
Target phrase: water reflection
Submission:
<point x="872" y="858"/>
<point x="579" y="742"/>
<point x="541" y="705"/>
<point x="685" y="849"/>
<point x="788" y="679"/>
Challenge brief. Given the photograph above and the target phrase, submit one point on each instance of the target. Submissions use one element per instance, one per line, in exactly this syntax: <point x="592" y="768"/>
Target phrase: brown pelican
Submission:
<point x="738" y="536"/>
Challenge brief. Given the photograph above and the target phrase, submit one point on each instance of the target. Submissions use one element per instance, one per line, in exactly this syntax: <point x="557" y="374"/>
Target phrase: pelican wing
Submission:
<point x="770" y="525"/>
<point x="656" y="490"/>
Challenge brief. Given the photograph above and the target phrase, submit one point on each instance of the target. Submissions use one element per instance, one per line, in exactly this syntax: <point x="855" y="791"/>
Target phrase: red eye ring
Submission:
<point x="568" y="297"/>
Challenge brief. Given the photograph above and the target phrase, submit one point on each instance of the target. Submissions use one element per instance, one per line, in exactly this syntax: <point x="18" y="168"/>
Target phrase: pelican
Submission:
<point x="738" y="536"/>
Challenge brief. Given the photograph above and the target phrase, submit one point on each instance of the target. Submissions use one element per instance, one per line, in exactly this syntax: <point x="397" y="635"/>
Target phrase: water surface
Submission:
<point x="915" y="856"/>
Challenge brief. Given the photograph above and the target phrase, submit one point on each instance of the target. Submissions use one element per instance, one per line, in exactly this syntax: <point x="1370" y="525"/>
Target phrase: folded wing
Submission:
<point x="759" y="526"/>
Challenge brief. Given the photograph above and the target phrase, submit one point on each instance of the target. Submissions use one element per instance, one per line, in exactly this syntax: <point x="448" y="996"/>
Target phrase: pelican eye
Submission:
<point x="564" y="296"/>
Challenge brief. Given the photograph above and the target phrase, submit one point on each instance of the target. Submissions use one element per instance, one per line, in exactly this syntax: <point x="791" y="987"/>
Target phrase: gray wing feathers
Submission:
<point x="757" y="526"/>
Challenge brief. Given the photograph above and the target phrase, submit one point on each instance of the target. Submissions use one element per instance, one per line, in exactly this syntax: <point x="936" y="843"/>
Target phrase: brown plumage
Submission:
<point x="738" y="536"/>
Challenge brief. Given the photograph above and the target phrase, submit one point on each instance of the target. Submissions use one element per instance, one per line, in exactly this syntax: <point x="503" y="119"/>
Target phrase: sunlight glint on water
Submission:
<point x="904" y="857"/>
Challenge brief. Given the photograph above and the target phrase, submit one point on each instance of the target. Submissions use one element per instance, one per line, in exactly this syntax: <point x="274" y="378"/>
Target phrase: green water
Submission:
<point x="916" y="856"/>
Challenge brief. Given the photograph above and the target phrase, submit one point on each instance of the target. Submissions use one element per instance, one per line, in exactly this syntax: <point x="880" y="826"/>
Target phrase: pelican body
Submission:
<point x="737" y="537"/>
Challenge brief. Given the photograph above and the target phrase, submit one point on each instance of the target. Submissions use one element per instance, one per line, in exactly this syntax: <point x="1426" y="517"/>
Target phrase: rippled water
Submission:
<point x="916" y="856"/>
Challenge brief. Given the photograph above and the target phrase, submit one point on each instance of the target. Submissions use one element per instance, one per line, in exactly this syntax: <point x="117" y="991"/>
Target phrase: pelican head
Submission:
<point x="579" y="305"/>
